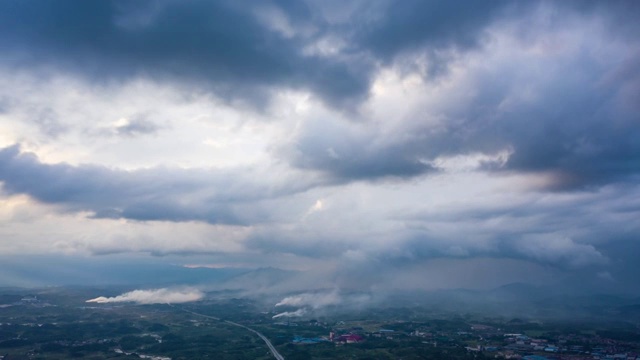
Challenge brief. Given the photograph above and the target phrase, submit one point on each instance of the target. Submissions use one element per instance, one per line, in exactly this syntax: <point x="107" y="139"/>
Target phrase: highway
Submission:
<point x="273" y="350"/>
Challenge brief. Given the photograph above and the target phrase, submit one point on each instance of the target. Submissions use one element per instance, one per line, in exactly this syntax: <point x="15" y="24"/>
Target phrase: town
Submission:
<point x="56" y="324"/>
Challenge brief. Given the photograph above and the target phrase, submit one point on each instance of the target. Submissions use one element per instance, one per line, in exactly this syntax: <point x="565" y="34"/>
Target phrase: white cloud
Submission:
<point x="63" y="119"/>
<point x="313" y="300"/>
<point x="156" y="296"/>
<point x="297" y="313"/>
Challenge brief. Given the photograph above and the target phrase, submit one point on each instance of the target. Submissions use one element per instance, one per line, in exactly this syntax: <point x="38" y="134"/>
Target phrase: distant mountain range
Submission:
<point x="258" y="280"/>
<point x="518" y="300"/>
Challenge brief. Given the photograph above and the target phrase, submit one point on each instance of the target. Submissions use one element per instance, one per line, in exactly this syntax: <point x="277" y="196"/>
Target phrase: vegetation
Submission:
<point x="60" y="325"/>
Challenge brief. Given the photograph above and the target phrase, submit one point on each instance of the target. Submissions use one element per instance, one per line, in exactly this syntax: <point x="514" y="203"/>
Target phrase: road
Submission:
<point x="273" y="350"/>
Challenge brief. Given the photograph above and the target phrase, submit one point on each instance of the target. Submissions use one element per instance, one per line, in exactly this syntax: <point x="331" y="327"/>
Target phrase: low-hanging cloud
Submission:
<point x="314" y="300"/>
<point x="156" y="296"/>
<point x="297" y="313"/>
<point x="321" y="299"/>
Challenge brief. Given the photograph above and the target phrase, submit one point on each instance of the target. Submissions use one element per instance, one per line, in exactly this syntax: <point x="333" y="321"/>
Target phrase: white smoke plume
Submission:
<point x="154" y="296"/>
<point x="296" y="313"/>
<point x="314" y="300"/>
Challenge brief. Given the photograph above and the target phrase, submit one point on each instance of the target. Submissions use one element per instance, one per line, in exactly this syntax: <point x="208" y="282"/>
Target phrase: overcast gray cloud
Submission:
<point x="330" y="136"/>
<point x="552" y="104"/>
<point x="241" y="51"/>
<point x="238" y="51"/>
<point x="150" y="194"/>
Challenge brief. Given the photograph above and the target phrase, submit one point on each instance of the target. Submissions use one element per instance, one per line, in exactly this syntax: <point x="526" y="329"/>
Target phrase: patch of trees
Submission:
<point x="131" y="342"/>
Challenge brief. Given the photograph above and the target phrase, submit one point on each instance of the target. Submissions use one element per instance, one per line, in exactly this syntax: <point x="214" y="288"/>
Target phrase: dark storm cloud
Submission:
<point x="346" y="157"/>
<point x="578" y="144"/>
<point x="151" y="194"/>
<point x="578" y="131"/>
<point x="573" y="117"/>
<point x="582" y="130"/>
<point x="221" y="44"/>
<point x="226" y="46"/>
<point x="415" y="25"/>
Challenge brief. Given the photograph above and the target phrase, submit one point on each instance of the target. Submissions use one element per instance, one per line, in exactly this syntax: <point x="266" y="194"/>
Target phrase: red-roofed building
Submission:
<point x="349" y="338"/>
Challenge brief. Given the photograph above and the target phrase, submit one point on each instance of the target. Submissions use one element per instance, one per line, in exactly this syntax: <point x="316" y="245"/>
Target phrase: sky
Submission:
<point x="381" y="144"/>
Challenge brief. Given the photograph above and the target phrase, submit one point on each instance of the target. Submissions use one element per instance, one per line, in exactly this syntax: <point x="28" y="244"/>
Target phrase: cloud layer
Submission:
<point x="345" y="138"/>
<point x="313" y="300"/>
